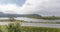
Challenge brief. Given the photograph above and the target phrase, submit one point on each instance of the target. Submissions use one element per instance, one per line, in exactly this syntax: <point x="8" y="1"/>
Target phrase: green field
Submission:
<point x="40" y="29"/>
<point x="45" y="17"/>
<point x="31" y="29"/>
<point x="16" y="27"/>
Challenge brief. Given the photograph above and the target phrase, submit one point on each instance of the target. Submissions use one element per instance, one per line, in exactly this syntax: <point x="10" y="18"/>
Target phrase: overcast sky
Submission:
<point x="42" y="7"/>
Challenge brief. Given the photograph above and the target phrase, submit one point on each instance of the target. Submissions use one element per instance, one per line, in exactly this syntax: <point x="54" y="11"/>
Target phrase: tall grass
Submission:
<point x="40" y="29"/>
<point x="16" y="27"/>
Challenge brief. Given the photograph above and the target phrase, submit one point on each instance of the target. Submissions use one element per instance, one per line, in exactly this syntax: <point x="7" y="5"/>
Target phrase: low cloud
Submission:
<point x="43" y="7"/>
<point x="9" y="8"/>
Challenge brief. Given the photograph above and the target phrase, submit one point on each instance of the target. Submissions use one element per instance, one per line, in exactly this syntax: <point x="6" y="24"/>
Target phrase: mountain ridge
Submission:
<point x="16" y="15"/>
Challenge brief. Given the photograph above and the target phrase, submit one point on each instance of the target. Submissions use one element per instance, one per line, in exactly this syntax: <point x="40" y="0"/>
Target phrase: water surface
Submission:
<point x="35" y="24"/>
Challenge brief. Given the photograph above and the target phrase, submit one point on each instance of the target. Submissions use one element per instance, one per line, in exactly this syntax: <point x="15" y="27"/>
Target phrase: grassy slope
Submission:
<point x="33" y="29"/>
<point x="45" y="18"/>
<point x="40" y="29"/>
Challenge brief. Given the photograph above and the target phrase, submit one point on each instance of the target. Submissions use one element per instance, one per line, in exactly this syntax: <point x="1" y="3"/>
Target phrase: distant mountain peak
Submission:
<point x="1" y="13"/>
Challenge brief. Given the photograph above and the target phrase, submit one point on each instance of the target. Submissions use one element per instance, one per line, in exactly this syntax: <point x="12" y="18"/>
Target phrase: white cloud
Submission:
<point x="43" y="7"/>
<point x="9" y="8"/>
<point x="33" y="6"/>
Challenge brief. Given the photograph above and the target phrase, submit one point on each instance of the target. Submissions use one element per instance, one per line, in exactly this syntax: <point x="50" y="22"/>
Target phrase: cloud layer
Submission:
<point x="43" y="7"/>
<point x="9" y="8"/>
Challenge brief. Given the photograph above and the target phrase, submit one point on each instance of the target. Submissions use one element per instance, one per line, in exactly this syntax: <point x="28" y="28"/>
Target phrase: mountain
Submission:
<point x="33" y="16"/>
<point x="18" y="15"/>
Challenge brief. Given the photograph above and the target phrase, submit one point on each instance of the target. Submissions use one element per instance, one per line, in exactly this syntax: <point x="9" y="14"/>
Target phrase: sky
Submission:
<point x="41" y="7"/>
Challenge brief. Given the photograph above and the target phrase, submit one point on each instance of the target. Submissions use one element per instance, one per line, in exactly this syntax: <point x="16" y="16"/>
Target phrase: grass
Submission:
<point x="30" y="29"/>
<point x="45" y="18"/>
<point x="10" y="20"/>
<point x="33" y="29"/>
<point x="43" y="22"/>
<point x="40" y="29"/>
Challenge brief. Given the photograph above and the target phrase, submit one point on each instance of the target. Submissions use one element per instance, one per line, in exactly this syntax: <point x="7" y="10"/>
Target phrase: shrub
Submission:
<point x="14" y="27"/>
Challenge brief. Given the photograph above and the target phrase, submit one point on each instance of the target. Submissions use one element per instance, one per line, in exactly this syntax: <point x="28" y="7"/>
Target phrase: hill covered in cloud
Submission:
<point x="17" y="15"/>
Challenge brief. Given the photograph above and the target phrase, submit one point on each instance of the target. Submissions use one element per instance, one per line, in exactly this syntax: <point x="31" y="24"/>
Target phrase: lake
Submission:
<point x="36" y="20"/>
<point x="35" y="24"/>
